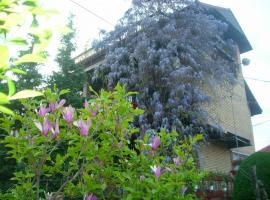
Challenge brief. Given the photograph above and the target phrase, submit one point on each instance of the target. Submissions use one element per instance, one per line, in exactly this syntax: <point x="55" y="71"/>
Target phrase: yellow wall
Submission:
<point x="215" y="156"/>
<point x="229" y="108"/>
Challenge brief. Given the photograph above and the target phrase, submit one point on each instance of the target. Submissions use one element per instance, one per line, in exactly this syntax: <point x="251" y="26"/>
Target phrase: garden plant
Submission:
<point x="87" y="153"/>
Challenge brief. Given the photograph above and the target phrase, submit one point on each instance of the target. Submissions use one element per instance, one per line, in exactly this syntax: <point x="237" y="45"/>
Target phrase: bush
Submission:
<point x="244" y="187"/>
<point x="62" y="151"/>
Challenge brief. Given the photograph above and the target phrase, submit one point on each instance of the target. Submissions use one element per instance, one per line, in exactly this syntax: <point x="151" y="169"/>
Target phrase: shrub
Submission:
<point x="244" y="186"/>
<point x="73" y="153"/>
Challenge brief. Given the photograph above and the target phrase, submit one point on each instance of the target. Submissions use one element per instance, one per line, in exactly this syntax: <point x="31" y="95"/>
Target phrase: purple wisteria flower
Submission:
<point x="68" y="114"/>
<point x="90" y="197"/>
<point x="176" y="161"/>
<point x="156" y="142"/>
<point x="55" y="129"/>
<point x="156" y="170"/>
<point x="44" y="127"/>
<point x="55" y="105"/>
<point x="43" y="110"/>
<point x="84" y="126"/>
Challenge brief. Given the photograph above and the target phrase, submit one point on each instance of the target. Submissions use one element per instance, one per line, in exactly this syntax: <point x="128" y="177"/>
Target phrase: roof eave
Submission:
<point x="234" y="31"/>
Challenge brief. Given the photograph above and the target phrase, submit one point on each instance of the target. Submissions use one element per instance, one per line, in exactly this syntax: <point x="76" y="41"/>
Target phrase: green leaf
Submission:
<point x="11" y="87"/>
<point x="40" y="33"/>
<point x="65" y="91"/>
<point x="19" y="41"/>
<point x="25" y="94"/>
<point x="3" y="98"/>
<point x="30" y="58"/>
<point x="6" y="110"/>
<point x="40" y="47"/>
<point x="4" y="56"/>
<point x="18" y="71"/>
<point x="32" y="3"/>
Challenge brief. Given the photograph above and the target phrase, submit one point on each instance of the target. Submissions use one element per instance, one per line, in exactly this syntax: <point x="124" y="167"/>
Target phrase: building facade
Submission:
<point x="231" y="107"/>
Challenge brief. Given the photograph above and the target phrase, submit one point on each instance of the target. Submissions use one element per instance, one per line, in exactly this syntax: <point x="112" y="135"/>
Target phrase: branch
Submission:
<point x="69" y="180"/>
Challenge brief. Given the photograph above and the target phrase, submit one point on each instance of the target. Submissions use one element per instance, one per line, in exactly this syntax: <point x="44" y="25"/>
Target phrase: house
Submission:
<point x="231" y="108"/>
<point x="265" y="149"/>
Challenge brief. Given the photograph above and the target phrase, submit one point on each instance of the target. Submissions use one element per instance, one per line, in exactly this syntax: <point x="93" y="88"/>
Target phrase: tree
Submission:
<point x="70" y="76"/>
<point x="32" y="79"/>
<point x="168" y="51"/>
<point x="244" y="185"/>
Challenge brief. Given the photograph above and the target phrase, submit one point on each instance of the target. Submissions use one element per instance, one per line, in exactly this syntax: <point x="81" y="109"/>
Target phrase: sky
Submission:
<point x="253" y="16"/>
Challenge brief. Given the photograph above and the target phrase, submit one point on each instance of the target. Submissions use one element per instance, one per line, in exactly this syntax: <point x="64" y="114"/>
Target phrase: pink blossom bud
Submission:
<point x="44" y="127"/>
<point x="68" y="114"/>
<point x="55" y="130"/>
<point x="156" y="170"/>
<point x="91" y="197"/>
<point x="84" y="126"/>
<point x="156" y="142"/>
<point x="54" y="106"/>
<point x="43" y="110"/>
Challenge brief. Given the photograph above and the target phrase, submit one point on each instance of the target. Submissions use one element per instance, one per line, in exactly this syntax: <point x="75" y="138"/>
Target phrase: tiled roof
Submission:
<point x="265" y="149"/>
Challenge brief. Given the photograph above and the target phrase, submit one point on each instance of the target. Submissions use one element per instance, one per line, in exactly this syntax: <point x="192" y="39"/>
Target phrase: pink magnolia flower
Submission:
<point x="93" y="113"/>
<point x="176" y="161"/>
<point x="68" y="114"/>
<point x="156" y="142"/>
<point x="44" y="127"/>
<point x="55" y="130"/>
<point x="86" y="106"/>
<point x="84" y="126"/>
<point x="54" y="106"/>
<point x="43" y="110"/>
<point x="156" y="170"/>
<point x="90" y="197"/>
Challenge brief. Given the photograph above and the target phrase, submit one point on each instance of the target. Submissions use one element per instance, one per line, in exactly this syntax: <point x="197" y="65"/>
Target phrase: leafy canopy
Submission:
<point x="70" y="75"/>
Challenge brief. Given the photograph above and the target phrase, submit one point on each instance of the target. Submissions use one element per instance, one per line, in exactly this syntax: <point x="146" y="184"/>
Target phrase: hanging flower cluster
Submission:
<point x="168" y="51"/>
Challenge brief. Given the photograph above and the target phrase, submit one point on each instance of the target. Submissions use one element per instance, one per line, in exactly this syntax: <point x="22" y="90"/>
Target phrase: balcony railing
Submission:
<point x="216" y="187"/>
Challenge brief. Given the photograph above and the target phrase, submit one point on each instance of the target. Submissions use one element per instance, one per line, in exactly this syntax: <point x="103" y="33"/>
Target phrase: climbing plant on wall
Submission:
<point x="168" y="51"/>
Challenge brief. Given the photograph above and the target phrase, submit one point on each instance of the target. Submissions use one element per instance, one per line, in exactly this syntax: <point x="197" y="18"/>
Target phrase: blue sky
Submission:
<point x="253" y="16"/>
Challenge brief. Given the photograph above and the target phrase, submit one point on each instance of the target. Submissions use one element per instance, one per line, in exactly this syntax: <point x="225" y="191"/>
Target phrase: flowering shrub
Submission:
<point x="88" y="153"/>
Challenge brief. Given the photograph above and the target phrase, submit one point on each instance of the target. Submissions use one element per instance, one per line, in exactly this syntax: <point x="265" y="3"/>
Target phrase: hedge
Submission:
<point x="244" y="186"/>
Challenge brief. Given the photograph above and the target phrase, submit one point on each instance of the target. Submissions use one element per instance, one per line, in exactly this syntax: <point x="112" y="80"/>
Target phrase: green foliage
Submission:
<point x="14" y="14"/>
<point x="103" y="160"/>
<point x="244" y="186"/>
<point x="31" y="79"/>
<point x="70" y="75"/>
